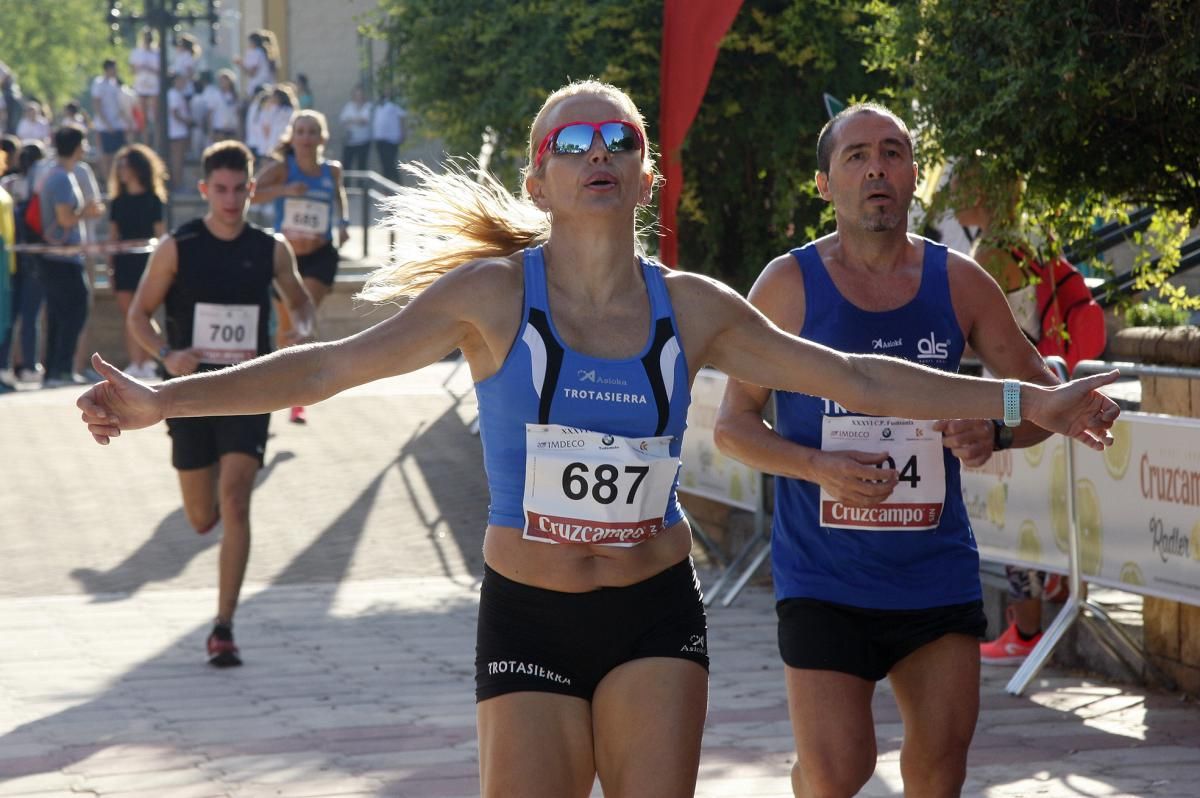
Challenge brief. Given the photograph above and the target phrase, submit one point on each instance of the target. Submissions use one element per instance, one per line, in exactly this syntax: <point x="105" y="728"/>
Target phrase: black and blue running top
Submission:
<point x="542" y="381"/>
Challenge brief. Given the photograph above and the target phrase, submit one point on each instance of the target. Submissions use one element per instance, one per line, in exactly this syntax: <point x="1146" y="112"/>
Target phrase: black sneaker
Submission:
<point x="222" y="653"/>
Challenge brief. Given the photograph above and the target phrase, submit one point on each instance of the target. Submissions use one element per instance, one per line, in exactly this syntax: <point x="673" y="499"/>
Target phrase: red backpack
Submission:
<point x="1072" y="321"/>
<point x="33" y="214"/>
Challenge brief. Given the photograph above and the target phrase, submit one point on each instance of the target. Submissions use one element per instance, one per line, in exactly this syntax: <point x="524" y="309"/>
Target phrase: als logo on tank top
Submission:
<point x="930" y="348"/>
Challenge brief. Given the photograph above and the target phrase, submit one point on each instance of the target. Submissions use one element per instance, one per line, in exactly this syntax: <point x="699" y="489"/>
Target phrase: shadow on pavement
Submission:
<point x="164" y="555"/>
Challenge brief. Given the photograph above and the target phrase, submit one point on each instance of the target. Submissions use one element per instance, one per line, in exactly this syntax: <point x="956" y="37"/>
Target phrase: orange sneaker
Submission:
<point x="1008" y="648"/>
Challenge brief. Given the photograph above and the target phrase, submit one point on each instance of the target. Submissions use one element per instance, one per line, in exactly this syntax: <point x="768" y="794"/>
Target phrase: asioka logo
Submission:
<point x="931" y="348"/>
<point x="590" y="375"/>
<point x="879" y="343"/>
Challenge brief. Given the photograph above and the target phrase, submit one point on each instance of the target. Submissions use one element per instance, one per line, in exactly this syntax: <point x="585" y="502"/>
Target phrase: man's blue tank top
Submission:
<point x="875" y="570"/>
<point x="320" y="189"/>
<point x="542" y="381"/>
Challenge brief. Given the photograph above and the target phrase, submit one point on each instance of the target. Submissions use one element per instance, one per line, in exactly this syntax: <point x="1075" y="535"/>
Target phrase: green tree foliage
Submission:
<point x="55" y="48"/>
<point x="1096" y="103"/>
<point x="468" y="65"/>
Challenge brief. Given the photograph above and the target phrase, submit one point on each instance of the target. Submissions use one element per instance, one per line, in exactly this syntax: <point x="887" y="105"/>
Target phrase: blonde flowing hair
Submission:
<point x="466" y="214"/>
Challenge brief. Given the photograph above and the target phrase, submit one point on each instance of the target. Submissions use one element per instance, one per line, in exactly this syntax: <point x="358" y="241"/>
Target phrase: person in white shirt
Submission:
<point x="258" y="63"/>
<point x="356" y="117"/>
<point x="33" y="125"/>
<point x="259" y="102"/>
<point x="222" y="102"/>
<point x="109" y="121"/>
<point x="201" y="113"/>
<point x="144" y="61"/>
<point x="276" y="115"/>
<point x="179" y="122"/>
<point x="185" y="60"/>
<point x="388" y="131"/>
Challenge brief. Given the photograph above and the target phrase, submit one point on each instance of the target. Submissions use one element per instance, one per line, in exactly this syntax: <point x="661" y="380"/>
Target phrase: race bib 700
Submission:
<point x="225" y="334"/>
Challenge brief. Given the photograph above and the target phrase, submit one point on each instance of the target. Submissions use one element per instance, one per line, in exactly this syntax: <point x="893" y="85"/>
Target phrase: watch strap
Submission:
<point x="1012" y="403"/>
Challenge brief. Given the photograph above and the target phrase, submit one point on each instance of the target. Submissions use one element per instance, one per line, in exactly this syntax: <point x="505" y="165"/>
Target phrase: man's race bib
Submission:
<point x="595" y="488"/>
<point x="914" y="449"/>
<point x="225" y="334"/>
<point x="305" y="216"/>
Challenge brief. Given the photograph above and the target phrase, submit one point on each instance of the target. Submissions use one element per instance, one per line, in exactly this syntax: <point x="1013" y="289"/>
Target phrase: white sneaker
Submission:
<point x="30" y="375"/>
<point x="8" y="377"/>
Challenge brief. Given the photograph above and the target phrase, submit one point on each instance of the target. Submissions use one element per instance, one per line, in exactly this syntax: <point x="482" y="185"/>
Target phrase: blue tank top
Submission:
<point x="875" y="570"/>
<point x="542" y="381"/>
<point x="320" y="189"/>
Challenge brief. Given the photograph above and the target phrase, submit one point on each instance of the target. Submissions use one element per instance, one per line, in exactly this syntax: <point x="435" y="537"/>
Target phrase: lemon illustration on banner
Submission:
<point x="1116" y="456"/>
<point x="996" y="499"/>
<point x="1029" y="545"/>
<point x="1091" y="531"/>
<point x="1059" y="520"/>
<point x="1033" y="454"/>
<point x="1131" y="574"/>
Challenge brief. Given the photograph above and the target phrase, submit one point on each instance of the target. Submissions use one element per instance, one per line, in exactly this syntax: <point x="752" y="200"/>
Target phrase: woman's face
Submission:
<point x="124" y="173"/>
<point x="306" y="134"/>
<point x="225" y="83"/>
<point x="593" y="181"/>
<point x="358" y="96"/>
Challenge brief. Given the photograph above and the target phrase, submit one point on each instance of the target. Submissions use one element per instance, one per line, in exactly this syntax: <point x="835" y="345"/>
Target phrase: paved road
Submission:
<point x="358" y="632"/>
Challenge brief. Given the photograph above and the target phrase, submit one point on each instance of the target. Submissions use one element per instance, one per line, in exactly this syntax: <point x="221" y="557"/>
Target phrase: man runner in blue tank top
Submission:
<point x="875" y="565"/>
<point x="214" y="276"/>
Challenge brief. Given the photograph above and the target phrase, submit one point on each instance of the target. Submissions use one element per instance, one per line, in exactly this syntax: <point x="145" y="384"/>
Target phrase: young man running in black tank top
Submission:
<point x="214" y="275"/>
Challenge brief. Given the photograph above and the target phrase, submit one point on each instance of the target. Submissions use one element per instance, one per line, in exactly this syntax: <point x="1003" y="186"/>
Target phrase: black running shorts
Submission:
<point x="532" y="639"/>
<point x="320" y="264"/>
<point x="200" y="442"/>
<point x="821" y="635"/>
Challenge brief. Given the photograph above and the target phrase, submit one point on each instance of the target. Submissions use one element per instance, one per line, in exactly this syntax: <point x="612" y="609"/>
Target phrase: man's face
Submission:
<point x="872" y="174"/>
<point x="228" y="194"/>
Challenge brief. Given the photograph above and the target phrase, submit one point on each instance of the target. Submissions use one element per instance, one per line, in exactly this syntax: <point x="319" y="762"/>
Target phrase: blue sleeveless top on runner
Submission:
<point x="874" y="570"/>
<point x="320" y="189"/>
<point x="542" y="381"/>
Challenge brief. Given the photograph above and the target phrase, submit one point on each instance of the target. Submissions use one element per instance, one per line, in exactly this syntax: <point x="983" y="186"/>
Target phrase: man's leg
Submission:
<point x="834" y="731"/>
<point x="199" y="489"/>
<point x="937" y="690"/>
<point x="235" y="484"/>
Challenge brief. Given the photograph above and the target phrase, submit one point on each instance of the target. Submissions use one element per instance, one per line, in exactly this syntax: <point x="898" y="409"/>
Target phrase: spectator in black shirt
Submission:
<point x="137" y="188"/>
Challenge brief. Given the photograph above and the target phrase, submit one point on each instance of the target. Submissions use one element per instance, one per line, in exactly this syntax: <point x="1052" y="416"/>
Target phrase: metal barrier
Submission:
<point x="1078" y="606"/>
<point x="366" y="184"/>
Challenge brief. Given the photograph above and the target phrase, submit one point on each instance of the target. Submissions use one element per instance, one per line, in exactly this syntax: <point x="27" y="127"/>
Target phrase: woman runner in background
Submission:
<point x="310" y="201"/>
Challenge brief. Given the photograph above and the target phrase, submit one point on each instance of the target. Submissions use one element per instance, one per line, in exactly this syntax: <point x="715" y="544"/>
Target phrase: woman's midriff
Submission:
<point x="578" y="568"/>
<point x="306" y="245"/>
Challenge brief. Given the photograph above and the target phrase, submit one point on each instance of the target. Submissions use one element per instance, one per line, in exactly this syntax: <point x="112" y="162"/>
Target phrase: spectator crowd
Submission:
<point x="91" y="171"/>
